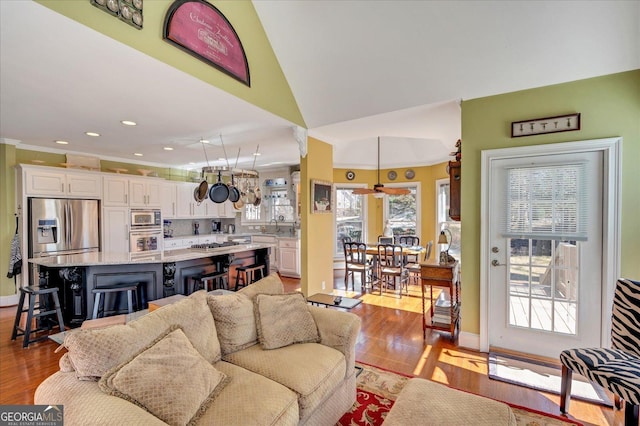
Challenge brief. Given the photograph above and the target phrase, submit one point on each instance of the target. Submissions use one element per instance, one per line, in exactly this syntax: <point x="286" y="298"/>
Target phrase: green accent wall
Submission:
<point x="269" y="87"/>
<point x="7" y="218"/>
<point x="609" y="106"/>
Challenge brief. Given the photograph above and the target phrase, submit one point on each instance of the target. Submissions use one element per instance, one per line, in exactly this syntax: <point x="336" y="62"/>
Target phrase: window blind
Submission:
<point x="547" y="202"/>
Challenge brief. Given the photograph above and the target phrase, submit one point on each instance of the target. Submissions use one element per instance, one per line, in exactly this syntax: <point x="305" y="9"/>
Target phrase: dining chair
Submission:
<point x="391" y="268"/>
<point x="618" y="368"/>
<point x="411" y="261"/>
<point x="356" y="261"/>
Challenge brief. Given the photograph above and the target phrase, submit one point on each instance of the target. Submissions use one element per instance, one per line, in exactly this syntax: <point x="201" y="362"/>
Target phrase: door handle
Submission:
<point x="495" y="262"/>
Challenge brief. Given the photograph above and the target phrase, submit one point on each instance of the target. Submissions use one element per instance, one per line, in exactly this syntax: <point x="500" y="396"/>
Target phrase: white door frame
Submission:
<point x="611" y="200"/>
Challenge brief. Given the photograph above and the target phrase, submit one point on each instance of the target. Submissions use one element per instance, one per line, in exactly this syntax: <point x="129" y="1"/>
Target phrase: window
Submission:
<point x="403" y="211"/>
<point x="350" y="216"/>
<point x="445" y="222"/>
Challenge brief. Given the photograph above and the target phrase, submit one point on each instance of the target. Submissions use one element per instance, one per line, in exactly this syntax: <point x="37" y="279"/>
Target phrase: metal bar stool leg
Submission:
<point x="19" y="312"/>
<point x="56" y="303"/>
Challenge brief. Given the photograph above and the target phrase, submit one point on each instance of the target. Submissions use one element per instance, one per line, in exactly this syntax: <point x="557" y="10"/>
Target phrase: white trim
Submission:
<point x="469" y="340"/>
<point x="611" y="229"/>
<point x="9" y="300"/>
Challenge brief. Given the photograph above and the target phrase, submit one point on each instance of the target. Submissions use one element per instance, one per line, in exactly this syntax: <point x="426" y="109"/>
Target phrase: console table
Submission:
<point x="446" y="276"/>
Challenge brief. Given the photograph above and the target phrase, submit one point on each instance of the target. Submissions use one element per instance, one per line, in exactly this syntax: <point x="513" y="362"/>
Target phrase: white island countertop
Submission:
<point x="116" y="258"/>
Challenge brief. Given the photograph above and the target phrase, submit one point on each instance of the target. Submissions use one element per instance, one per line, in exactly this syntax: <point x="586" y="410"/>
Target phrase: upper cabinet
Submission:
<point x="40" y="182"/>
<point x="455" y="178"/>
<point x="122" y="191"/>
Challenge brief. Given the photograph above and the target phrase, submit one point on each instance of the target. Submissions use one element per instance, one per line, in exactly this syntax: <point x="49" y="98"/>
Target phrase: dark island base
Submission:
<point x="154" y="280"/>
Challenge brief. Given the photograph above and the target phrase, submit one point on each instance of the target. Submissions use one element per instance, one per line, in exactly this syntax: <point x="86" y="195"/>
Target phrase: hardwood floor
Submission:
<point x="391" y="337"/>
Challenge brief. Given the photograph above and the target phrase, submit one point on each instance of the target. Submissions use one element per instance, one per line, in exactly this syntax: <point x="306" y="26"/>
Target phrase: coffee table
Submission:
<point x="329" y="300"/>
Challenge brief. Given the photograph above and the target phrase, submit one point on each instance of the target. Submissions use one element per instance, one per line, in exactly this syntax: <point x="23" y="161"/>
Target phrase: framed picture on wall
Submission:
<point x="321" y="196"/>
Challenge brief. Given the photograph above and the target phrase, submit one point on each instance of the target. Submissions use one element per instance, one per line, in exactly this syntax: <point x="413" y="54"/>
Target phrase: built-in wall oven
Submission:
<point x="145" y="233"/>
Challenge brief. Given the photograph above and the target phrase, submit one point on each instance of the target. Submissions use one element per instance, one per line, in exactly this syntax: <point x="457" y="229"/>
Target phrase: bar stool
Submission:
<point x="248" y="274"/>
<point x="210" y="281"/>
<point x="117" y="289"/>
<point x="37" y="304"/>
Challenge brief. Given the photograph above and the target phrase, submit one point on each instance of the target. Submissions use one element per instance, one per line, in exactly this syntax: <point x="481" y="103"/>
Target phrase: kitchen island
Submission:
<point x="157" y="275"/>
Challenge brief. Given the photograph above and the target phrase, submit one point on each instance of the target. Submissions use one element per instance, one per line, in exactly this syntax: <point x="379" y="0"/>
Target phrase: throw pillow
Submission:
<point x="169" y="379"/>
<point x="235" y="323"/>
<point x="283" y="320"/>
<point x="234" y="317"/>
<point x="94" y="351"/>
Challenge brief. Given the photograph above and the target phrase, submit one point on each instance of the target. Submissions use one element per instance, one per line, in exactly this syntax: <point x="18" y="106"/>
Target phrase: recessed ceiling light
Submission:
<point x="256" y="154"/>
<point x="221" y="159"/>
<point x="129" y="123"/>
<point x="168" y="148"/>
<point x="94" y="134"/>
<point x="137" y="154"/>
<point x="192" y="163"/>
<point x="204" y="141"/>
<point x="62" y="142"/>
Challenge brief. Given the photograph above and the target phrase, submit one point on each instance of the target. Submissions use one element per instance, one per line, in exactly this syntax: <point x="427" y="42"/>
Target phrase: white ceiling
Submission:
<point x="358" y="70"/>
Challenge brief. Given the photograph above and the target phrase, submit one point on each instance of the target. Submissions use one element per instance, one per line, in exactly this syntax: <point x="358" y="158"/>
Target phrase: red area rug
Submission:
<point x="378" y="389"/>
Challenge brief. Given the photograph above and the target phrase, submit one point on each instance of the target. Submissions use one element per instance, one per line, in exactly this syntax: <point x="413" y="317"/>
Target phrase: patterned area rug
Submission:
<point x="378" y="389"/>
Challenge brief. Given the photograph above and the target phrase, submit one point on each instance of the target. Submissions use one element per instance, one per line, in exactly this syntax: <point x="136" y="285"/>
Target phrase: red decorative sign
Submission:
<point x="199" y="29"/>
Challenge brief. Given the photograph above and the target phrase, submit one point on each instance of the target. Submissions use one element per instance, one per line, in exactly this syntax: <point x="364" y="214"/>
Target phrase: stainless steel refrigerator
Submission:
<point x="61" y="226"/>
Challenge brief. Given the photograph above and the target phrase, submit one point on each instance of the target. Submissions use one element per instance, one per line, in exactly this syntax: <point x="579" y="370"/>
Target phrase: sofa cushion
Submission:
<point x="251" y="399"/>
<point x="170" y="379"/>
<point x="284" y="319"/>
<point x="234" y="317"/>
<point x="311" y="370"/>
<point x="93" y="352"/>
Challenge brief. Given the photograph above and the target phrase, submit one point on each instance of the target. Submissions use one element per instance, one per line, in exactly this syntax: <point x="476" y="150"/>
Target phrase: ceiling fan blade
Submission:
<point x="394" y="191"/>
<point x="363" y="191"/>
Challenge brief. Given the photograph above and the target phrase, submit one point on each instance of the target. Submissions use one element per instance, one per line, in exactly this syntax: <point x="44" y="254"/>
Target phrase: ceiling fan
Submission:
<point x="379" y="190"/>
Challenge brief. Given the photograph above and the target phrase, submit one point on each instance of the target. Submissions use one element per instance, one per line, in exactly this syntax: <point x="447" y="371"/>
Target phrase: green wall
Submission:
<point x="609" y="106"/>
<point x="269" y="87"/>
<point x="7" y="218"/>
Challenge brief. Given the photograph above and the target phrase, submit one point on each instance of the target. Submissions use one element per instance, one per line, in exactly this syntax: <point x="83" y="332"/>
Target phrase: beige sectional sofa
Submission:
<point x="255" y="357"/>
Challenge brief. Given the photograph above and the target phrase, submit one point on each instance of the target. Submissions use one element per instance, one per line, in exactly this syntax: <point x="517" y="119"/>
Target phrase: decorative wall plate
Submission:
<point x="392" y="175"/>
<point x="409" y="174"/>
<point x="350" y="175"/>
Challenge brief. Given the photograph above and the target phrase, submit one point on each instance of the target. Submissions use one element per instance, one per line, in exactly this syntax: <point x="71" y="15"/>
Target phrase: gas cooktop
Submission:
<point x="209" y="246"/>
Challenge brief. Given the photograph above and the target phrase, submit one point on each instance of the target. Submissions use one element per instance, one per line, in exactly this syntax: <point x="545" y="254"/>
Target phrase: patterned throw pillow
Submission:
<point x="283" y="320"/>
<point x="94" y="351"/>
<point x="169" y="379"/>
<point x="233" y="314"/>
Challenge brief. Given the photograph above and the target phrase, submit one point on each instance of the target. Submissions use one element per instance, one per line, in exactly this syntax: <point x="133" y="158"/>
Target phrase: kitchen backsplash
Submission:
<point x="185" y="227"/>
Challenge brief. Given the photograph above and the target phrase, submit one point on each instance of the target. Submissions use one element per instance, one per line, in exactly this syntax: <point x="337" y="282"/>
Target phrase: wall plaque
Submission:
<point x="201" y="30"/>
<point x="537" y="126"/>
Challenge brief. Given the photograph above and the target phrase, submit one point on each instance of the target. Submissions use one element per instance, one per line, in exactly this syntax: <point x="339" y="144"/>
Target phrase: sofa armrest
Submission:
<point x="338" y="330"/>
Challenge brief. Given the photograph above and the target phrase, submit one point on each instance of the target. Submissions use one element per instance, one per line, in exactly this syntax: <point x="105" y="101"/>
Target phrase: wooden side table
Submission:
<point x="446" y="276"/>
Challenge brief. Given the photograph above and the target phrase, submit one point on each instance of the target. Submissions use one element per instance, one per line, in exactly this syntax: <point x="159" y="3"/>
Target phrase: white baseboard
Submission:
<point x="469" y="340"/>
<point x="9" y="300"/>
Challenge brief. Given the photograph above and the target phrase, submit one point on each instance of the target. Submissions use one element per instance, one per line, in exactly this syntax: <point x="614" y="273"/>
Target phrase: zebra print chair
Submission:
<point x="618" y="368"/>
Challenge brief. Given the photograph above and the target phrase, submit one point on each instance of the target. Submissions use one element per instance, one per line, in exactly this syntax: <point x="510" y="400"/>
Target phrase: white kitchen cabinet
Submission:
<point x="289" y="257"/>
<point x="187" y="207"/>
<point x="172" y="243"/>
<point x="168" y="200"/>
<point x="115" y="229"/>
<point x="225" y="210"/>
<point x="62" y="183"/>
<point x="144" y="193"/>
<point x="115" y="191"/>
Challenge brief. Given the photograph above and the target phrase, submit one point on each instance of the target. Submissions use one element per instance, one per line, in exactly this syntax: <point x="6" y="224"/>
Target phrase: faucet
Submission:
<point x="277" y="226"/>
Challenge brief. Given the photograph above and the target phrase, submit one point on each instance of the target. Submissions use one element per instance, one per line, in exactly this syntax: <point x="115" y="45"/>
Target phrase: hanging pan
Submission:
<point x="234" y="193"/>
<point x="219" y="192"/>
<point x="201" y="191"/>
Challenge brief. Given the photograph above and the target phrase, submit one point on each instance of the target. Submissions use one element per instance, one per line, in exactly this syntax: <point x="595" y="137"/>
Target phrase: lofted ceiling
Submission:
<point x="358" y="70"/>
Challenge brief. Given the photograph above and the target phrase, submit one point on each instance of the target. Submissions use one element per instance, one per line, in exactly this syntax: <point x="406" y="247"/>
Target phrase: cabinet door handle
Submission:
<point x="62" y="187"/>
<point x="126" y="198"/>
<point x="173" y="208"/>
<point x="69" y="188"/>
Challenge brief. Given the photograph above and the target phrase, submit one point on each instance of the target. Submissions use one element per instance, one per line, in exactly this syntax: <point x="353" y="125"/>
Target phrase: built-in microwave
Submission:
<point x="142" y="219"/>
